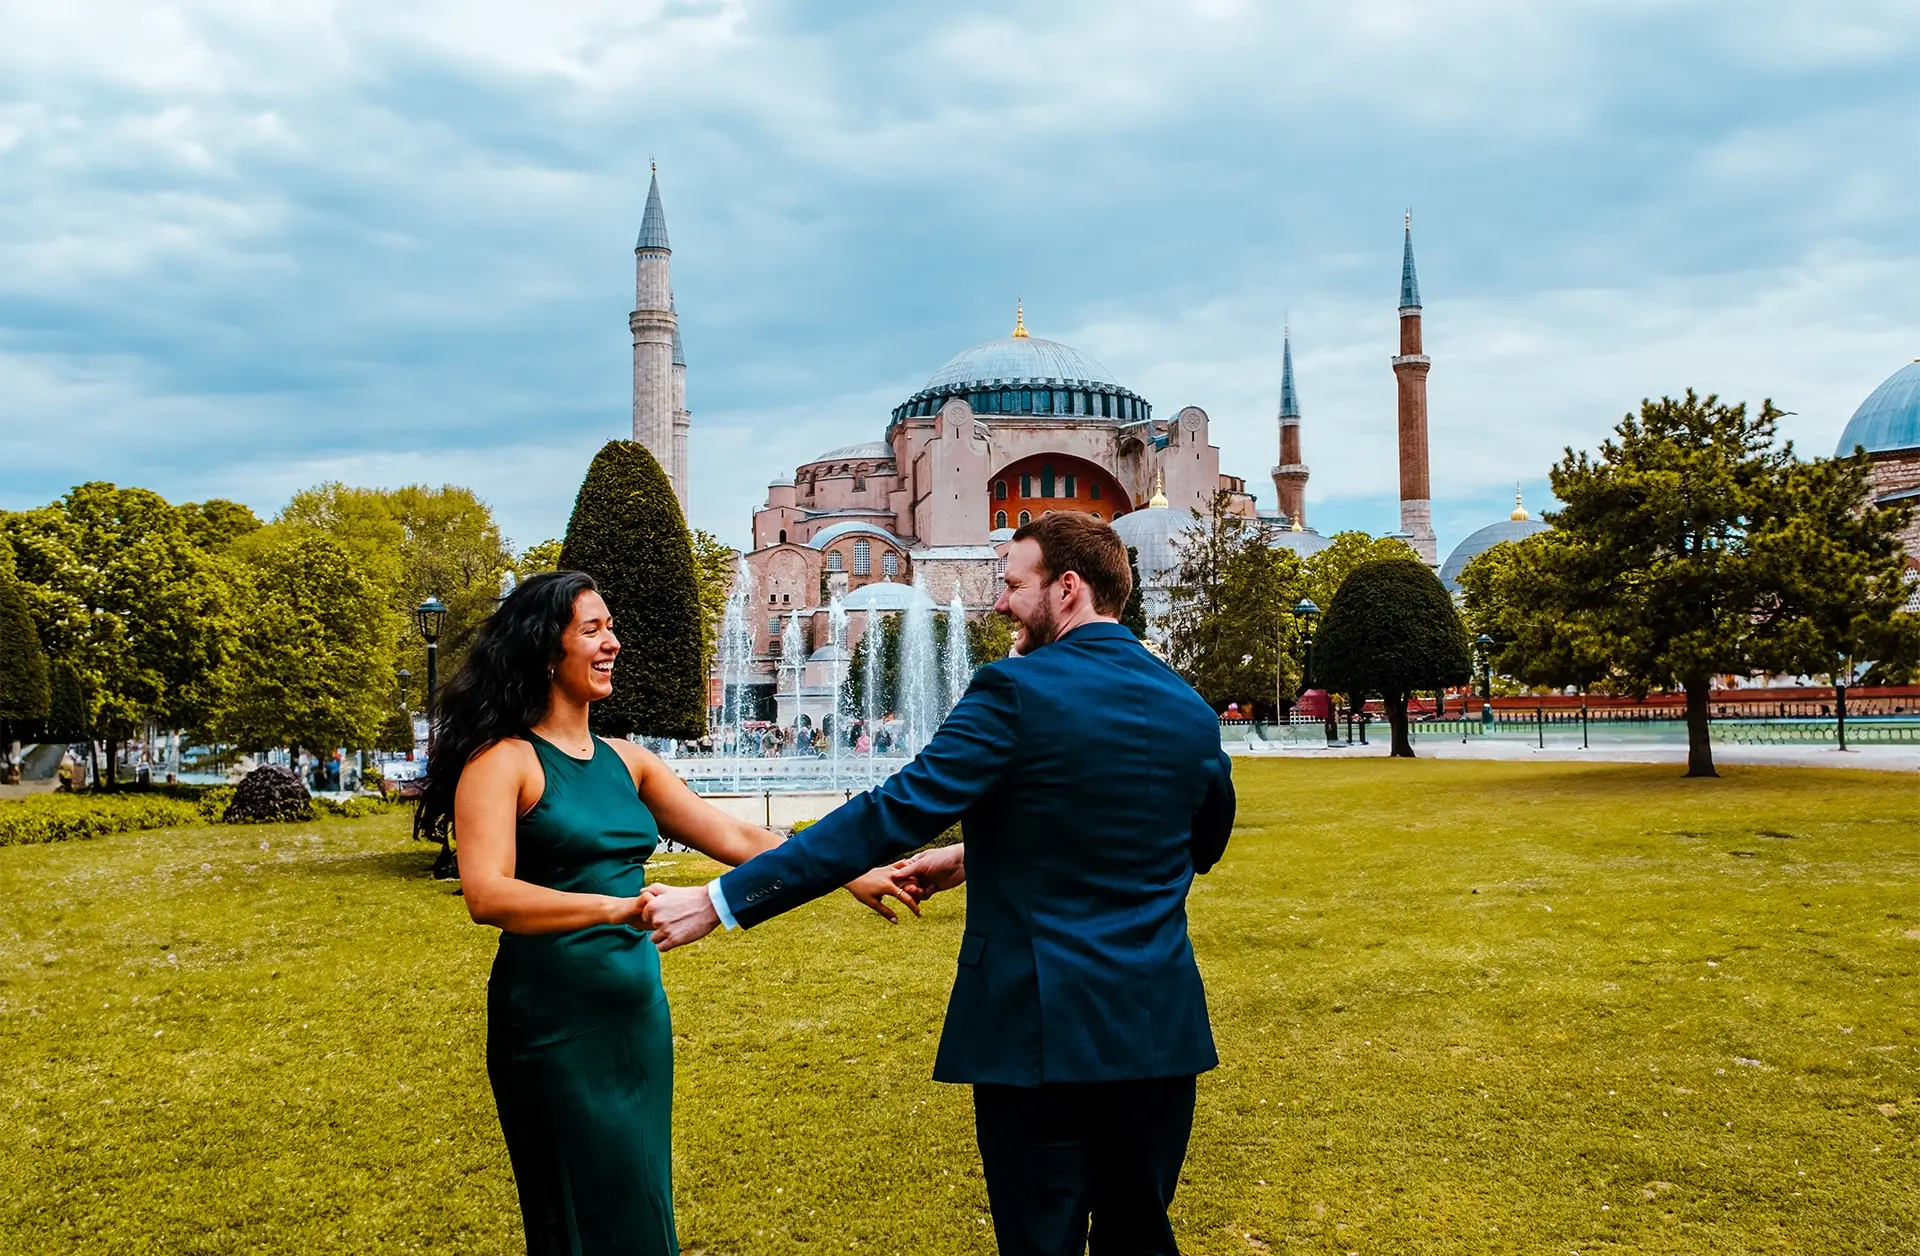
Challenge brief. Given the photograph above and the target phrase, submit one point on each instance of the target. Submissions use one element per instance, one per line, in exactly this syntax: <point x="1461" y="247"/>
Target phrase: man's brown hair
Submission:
<point x="1070" y="541"/>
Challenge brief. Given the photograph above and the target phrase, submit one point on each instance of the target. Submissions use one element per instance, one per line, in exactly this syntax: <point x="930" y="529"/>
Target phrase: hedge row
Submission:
<point x="76" y="817"/>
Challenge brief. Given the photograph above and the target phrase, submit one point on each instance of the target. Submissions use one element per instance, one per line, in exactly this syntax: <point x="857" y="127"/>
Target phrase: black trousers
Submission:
<point x="1060" y="1158"/>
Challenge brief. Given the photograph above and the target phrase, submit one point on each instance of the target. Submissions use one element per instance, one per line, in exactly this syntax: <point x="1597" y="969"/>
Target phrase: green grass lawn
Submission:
<point x="1461" y="1007"/>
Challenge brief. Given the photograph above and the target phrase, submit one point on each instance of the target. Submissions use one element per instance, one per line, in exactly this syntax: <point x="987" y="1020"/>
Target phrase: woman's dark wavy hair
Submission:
<point x="501" y="691"/>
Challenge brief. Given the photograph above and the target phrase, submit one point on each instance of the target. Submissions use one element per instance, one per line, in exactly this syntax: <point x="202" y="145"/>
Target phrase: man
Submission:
<point x="1091" y="786"/>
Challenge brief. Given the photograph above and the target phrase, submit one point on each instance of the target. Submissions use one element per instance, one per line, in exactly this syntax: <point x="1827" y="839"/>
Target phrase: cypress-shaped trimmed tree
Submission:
<point x="24" y="688"/>
<point x="628" y="534"/>
<point x="1392" y="630"/>
<point x="1133" y="617"/>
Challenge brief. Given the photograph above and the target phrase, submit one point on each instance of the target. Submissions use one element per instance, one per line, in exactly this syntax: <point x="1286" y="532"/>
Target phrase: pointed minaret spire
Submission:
<point x="653" y="222"/>
<point x="1290" y="476"/>
<point x="1410" y="367"/>
<point x="658" y="371"/>
<point x="1409" y="282"/>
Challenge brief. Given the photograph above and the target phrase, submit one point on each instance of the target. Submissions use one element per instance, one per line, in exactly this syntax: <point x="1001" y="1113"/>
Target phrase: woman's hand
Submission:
<point x="875" y="887"/>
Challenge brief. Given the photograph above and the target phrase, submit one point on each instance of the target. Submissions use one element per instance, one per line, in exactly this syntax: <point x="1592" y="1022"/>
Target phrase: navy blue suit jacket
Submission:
<point x="1091" y="786"/>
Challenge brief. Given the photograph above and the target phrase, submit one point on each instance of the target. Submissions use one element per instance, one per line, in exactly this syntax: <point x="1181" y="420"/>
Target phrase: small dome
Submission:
<point x="1153" y="533"/>
<point x="1889" y="419"/>
<point x="998" y="535"/>
<point x="1305" y="542"/>
<point x="1482" y="541"/>
<point x="871" y="449"/>
<point x="829" y="653"/>
<point x="834" y="531"/>
<point x="885" y="595"/>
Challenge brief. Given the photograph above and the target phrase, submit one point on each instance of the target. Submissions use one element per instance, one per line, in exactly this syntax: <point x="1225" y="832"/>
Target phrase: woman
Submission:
<point x="554" y="827"/>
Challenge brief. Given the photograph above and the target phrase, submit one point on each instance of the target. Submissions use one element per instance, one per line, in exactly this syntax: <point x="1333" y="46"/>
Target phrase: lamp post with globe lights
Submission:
<point x="1484" y="644"/>
<point x="1306" y="612"/>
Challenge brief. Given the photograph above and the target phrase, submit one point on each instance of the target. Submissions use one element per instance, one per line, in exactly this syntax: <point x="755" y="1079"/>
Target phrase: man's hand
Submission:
<point x="677" y="914"/>
<point x="875" y="887"/>
<point x="932" y="871"/>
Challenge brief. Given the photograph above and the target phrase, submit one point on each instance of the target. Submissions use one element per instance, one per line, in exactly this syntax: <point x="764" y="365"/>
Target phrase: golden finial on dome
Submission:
<point x="1519" y="514"/>
<point x="1296" y="524"/>
<point x="1019" y="318"/>
<point x="1159" y="498"/>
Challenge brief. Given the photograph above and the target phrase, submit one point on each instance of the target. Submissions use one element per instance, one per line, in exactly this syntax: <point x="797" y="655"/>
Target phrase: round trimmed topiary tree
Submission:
<point x="1392" y="630"/>
<point x="628" y="534"/>
<point x="269" y="794"/>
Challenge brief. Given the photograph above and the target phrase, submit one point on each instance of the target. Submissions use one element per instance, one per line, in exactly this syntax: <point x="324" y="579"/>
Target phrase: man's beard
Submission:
<point x="1041" y="630"/>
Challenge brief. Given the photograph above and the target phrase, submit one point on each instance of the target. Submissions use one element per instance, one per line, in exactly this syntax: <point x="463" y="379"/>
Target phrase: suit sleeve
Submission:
<point x="966" y="759"/>
<point x="1213" y="822"/>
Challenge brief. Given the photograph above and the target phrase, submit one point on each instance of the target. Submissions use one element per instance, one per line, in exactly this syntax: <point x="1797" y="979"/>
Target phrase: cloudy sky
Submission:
<point x="249" y="245"/>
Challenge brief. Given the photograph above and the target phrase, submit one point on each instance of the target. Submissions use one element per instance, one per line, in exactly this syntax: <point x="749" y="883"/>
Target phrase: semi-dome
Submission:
<point x="1889" y="419"/>
<point x="885" y="595"/>
<point x="870" y="449"/>
<point x="1154" y="533"/>
<point x="1482" y="541"/>
<point x="834" y="531"/>
<point x="1025" y="375"/>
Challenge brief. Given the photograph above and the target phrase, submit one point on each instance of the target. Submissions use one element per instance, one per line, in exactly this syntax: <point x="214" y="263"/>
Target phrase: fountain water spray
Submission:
<point x="837" y="725"/>
<point x="959" y="660"/>
<point x="870" y="687"/>
<point x="736" y="663"/>
<point x="793" y="667"/>
<point x="919" y="669"/>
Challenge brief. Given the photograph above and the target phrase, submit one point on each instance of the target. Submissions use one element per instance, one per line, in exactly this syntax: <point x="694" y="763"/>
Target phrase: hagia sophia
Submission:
<point x="1020" y="426"/>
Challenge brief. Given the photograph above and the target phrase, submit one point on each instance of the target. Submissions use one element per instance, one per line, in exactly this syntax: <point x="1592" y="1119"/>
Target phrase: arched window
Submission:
<point x="1093" y="490"/>
<point x="1068" y="491"/>
<point x="1026" y="485"/>
<point x="859" y="483"/>
<point x="783" y="536"/>
<point x="834" y="563"/>
<point x="1026" y="400"/>
<point x="1006" y="401"/>
<point x="1025" y="518"/>
<point x="1046" y="480"/>
<point x="863" y="557"/>
<point x="1096" y="514"/>
<point x="889" y="564"/>
<point x="999" y="490"/>
<point x="999" y="518"/>
<point x="1042" y="401"/>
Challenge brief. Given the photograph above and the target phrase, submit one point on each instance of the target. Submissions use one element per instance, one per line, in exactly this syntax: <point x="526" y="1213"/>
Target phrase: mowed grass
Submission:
<point x="1461" y="1007"/>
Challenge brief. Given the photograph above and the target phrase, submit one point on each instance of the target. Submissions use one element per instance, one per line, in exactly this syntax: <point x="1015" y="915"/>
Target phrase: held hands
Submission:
<point x="873" y="889"/>
<point x="677" y="914"/>
<point x="931" y="871"/>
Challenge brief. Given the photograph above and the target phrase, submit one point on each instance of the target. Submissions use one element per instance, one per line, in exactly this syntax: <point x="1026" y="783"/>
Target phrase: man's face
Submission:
<point x="1029" y="597"/>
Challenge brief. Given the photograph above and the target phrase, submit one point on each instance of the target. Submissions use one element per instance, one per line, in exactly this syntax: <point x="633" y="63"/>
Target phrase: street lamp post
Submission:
<point x="1840" y="703"/>
<point x="1484" y="644"/>
<point x="1306" y="612"/>
<point x="431" y="615"/>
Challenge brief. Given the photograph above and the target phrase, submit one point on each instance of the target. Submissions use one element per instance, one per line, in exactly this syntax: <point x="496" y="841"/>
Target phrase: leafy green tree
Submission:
<point x="1324" y="573"/>
<point x="69" y="706"/>
<point x="989" y="638"/>
<point x="628" y="534"/>
<point x="538" y="558"/>
<point x="119" y="591"/>
<point x="313" y="663"/>
<point x="215" y="524"/>
<point x="714" y="565"/>
<point x="1508" y="594"/>
<point x="1230" y="631"/>
<point x="1392" y="630"/>
<point x="25" y="691"/>
<point x="1694" y="546"/>
<point x="1133" y="617"/>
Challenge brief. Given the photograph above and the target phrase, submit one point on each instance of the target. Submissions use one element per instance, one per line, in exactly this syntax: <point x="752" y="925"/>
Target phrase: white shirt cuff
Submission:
<point x="718" y="898"/>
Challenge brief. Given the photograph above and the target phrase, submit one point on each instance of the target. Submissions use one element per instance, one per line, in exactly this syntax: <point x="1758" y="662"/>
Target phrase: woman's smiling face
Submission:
<point x="587" y="651"/>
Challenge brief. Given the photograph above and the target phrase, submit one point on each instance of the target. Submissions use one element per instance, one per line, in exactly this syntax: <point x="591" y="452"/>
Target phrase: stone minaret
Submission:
<point x="655" y="328"/>
<point x="1290" y="477"/>
<point x="682" y="420"/>
<point x="1410" y="368"/>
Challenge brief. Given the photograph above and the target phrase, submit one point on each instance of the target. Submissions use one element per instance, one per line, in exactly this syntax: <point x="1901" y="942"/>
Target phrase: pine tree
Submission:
<point x="628" y="534"/>
<point x="1392" y="630"/>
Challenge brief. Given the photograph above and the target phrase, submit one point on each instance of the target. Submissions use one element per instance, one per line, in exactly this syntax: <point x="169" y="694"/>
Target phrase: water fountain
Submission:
<point x="870" y="695"/>
<point x="841" y="667"/>
<point x="959" y="662"/>
<point x="736" y="666"/>
<point x="920" y="696"/>
<point x="793" y="668"/>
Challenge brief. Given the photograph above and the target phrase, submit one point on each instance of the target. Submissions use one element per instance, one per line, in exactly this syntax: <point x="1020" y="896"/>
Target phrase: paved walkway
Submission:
<point x="1877" y="758"/>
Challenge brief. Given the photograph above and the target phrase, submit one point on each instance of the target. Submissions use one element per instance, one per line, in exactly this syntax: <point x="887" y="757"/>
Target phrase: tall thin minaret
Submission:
<point x="655" y="328"/>
<point x="682" y="420"/>
<point x="1410" y="368"/>
<point x="1290" y="477"/>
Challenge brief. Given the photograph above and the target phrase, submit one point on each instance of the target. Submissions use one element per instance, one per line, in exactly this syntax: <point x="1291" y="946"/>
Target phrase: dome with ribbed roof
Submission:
<point x="1027" y="376"/>
<point x="1889" y="419"/>
<point x="1482" y="541"/>
<point x="869" y="449"/>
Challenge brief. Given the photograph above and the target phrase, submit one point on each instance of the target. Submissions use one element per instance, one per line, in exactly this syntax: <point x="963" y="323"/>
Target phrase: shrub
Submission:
<point x="214" y="801"/>
<point x="1392" y="629"/>
<point x="269" y="794"/>
<point x="628" y="534"/>
<point x="76" y="817"/>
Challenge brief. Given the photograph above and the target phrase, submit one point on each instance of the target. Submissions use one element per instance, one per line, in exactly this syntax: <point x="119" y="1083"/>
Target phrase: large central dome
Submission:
<point x="1023" y="375"/>
<point x="1889" y="419"/>
<point x="1020" y="360"/>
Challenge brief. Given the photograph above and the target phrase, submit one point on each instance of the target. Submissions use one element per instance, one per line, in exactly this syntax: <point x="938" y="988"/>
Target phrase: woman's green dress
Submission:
<point x="579" y="1043"/>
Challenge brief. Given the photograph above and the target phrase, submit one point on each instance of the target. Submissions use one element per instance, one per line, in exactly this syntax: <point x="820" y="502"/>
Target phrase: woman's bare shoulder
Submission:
<point x="510" y="756"/>
<point x="638" y="758"/>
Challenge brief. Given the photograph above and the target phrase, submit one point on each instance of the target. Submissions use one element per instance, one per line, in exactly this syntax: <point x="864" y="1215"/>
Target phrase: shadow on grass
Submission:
<point x="414" y="863"/>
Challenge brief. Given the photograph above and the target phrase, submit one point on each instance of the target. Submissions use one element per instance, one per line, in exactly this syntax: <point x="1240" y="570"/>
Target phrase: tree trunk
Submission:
<point x="1699" y="744"/>
<point x="1397" y="721"/>
<point x="113" y="764"/>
